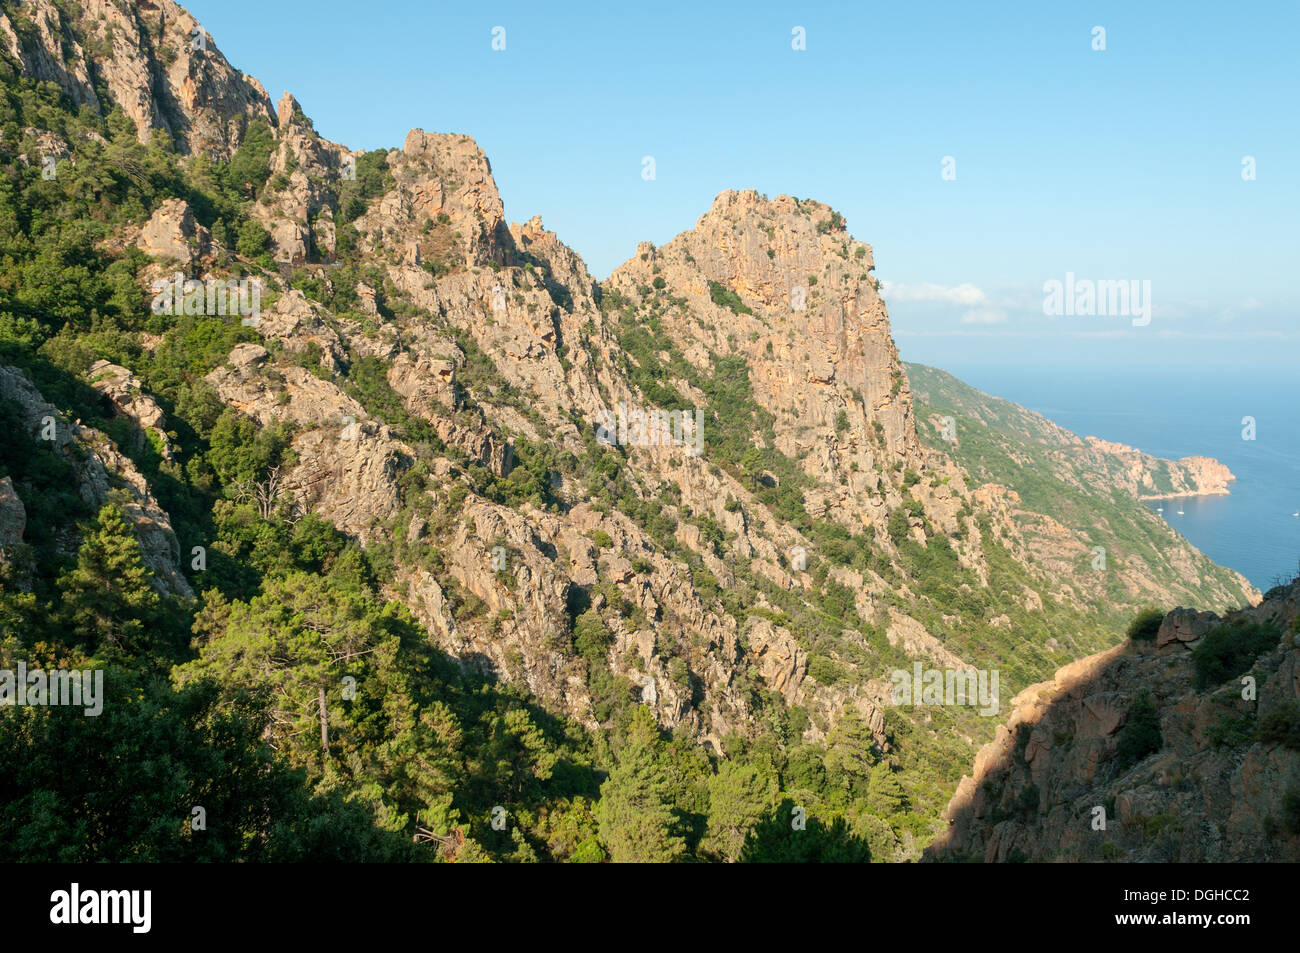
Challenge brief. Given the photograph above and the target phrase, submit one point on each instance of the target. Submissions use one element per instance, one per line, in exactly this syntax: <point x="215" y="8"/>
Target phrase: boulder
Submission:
<point x="172" y="233"/>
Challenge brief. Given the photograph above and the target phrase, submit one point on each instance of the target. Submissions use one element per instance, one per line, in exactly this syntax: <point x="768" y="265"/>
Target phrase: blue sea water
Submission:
<point x="1177" y="412"/>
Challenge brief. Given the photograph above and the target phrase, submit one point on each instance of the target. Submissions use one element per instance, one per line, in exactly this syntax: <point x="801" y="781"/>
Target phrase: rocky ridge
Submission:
<point x="151" y="58"/>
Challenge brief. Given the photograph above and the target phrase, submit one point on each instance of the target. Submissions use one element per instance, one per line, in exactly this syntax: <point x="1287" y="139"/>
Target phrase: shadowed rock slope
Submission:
<point x="1182" y="744"/>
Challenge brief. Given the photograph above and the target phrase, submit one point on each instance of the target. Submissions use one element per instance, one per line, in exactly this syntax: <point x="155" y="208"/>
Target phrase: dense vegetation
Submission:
<point x="1230" y="650"/>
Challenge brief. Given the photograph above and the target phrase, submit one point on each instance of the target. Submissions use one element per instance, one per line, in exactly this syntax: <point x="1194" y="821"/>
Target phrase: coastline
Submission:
<point x="1185" y="496"/>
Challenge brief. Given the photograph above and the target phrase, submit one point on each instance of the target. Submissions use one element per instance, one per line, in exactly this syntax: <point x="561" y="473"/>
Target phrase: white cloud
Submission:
<point x="965" y="295"/>
<point x="984" y="316"/>
<point x="1234" y="311"/>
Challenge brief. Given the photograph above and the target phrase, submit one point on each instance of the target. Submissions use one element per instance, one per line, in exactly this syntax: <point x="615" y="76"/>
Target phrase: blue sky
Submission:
<point x="1122" y="164"/>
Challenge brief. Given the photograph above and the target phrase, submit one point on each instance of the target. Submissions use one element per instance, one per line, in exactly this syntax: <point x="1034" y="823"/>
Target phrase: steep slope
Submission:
<point x="96" y="471"/>
<point x="1072" y="495"/>
<point x="1182" y="744"/>
<point x="426" y="409"/>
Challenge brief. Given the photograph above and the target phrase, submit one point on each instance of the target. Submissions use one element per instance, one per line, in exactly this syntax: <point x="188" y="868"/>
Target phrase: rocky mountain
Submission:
<point x="714" y="459"/>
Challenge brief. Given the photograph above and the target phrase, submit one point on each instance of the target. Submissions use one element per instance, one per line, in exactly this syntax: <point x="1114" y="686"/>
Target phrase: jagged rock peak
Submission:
<point x="783" y="282"/>
<point x="730" y="200"/>
<point x="287" y="108"/>
<point x="152" y="57"/>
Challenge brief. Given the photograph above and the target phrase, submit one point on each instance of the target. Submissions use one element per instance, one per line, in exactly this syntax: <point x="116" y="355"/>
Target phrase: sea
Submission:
<point x="1248" y="419"/>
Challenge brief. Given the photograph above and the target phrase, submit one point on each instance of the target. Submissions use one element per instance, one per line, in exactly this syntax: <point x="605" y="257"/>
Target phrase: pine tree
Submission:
<point x="787" y="834"/>
<point x="850" y="752"/>
<point x="738" y="797"/>
<point x="885" y="795"/>
<point x="635" y="814"/>
<point x="108" y="598"/>
<point x="296" y="641"/>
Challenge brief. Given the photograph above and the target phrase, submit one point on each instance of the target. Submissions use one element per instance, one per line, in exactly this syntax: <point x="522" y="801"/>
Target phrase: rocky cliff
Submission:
<point x="150" y="58"/>
<point x="100" y="468"/>
<point x="1151" y="478"/>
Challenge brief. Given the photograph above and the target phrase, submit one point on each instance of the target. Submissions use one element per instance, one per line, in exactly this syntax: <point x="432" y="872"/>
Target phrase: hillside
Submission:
<point x="1178" y="745"/>
<point x="406" y="545"/>
<point x="1073" y="494"/>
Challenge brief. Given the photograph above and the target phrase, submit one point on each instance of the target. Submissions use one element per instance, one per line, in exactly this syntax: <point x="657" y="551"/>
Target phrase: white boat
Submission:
<point x="1180" y="512"/>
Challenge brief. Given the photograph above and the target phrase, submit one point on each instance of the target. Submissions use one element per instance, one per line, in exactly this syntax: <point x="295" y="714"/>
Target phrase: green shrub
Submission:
<point x="373" y="179"/>
<point x="250" y="166"/>
<point x="824" y="670"/>
<point x="838" y="601"/>
<point x="1230" y="650"/>
<point x="591" y="637"/>
<point x="1291" y="810"/>
<point x="897" y="527"/>
<point x="253" y="239"/>
<point x="1281" y="726"/>
<point x="1145" y="625"/>
<point x="1140" y="735"/>
<point x="1230" y="731"/>
<point x="1157" y="824"/>
<point x="727" y="298"/>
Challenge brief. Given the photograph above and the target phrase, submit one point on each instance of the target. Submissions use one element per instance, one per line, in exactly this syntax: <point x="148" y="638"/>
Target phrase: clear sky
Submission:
<point x="1117" y="164"/>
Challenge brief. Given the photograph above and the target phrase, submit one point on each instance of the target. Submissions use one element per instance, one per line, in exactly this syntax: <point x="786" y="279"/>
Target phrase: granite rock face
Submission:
<point x="1150" y="478"/>
<point x="172" y="234"/>
<point x="129" y="400"/>
<point x="817" y="330"/>
<point x="156" y="61"/>
<point x="101" y="467"/>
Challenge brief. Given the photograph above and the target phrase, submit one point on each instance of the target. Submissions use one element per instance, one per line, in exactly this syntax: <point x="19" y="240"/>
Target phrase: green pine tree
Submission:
<point x="850" y="752"/>
<point x="108" y="598"/>
<point x="788" y="834"/>
<point x="885" y="795"/>
<point x="738" y="797"/>
<point x="635" y="813"/>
